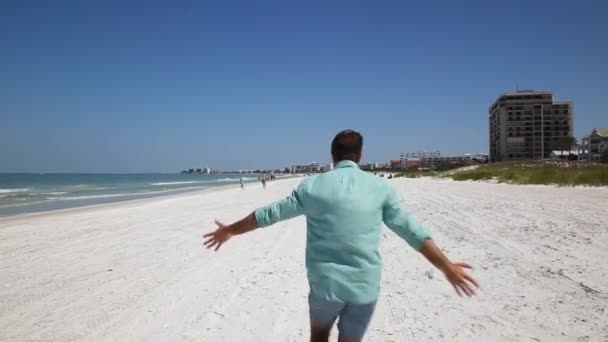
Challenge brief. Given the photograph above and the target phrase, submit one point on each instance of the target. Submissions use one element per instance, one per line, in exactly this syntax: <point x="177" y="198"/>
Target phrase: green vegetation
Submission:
<point x="565" y="173"/>
<point x="418" y="174"/>
<point x="604" y="157"/>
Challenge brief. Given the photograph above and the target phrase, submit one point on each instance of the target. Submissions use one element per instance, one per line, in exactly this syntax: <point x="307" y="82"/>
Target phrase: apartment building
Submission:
<point x="528" y="124"/>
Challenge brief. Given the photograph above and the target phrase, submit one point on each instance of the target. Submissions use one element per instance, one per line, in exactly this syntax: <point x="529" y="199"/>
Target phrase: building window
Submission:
<point x="516" y="140"/>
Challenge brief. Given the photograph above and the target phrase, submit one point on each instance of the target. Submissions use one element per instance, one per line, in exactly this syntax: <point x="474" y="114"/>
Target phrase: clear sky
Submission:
<point x="102" y="86"/>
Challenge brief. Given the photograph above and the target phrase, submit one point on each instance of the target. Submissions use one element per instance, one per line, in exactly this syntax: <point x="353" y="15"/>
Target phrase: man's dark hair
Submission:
<point x="347" y="145"/>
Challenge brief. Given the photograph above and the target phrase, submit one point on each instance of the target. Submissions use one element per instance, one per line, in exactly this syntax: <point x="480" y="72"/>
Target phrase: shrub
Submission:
<point x="604" y="156"/>
<point x="538" y="172"/>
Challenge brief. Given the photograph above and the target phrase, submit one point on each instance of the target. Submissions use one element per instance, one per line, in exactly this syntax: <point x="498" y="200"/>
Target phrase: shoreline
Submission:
<point x="129" y="201"/>
<point x="194" y="192"/>
<point x="24" y="193"/>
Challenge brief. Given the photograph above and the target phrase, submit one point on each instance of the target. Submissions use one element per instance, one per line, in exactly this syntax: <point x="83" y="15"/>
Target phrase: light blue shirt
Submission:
<point x="344" y="211"/>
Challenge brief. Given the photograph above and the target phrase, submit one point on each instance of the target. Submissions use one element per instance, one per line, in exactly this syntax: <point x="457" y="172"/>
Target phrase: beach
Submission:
<point x="136" y="270"/>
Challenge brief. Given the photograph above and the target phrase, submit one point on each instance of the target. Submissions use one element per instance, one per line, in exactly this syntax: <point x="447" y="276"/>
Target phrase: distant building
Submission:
<point x="434" y="159"/>
<point x="594" y="144"/>
<point x="565" y="154"/>
<point x="313" y="167"/>
<point x="406" y="157"/>
<point x="528" y="124"/>
<point x="412" y="163"/>
<point x="366" y="167"/>
<point x="203" y="171"/>
<point x="396" y="164"/>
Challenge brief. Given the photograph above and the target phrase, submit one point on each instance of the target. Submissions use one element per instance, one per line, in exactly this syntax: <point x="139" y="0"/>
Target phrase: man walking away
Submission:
<point x="344" y="209"/>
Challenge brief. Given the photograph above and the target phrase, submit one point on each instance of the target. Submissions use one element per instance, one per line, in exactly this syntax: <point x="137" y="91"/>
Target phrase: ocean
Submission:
<point x="25" y="193"/>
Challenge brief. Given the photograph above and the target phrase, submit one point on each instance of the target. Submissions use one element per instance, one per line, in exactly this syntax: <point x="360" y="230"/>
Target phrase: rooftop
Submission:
<point x="527" y="92"/>
<point x="602" y="132"/>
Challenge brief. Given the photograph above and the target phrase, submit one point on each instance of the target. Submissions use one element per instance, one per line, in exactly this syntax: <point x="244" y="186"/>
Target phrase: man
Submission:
<point x="344" y="209"/>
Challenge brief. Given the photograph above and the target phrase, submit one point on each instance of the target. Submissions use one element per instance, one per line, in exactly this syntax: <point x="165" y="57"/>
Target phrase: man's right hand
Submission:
<point x="224" y="232"/>
<point x="217" y="237"/>
<point x="458" y="277"/>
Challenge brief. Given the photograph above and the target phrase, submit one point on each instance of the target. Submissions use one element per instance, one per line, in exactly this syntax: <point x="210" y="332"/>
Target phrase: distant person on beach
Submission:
<point x="242" y="185"/>
<point x="264" y="181"/>
<point x="344" y="209"/>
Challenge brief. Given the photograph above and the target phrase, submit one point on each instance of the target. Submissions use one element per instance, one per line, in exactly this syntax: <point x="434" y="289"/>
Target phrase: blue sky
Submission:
<point x="102" y="86"/>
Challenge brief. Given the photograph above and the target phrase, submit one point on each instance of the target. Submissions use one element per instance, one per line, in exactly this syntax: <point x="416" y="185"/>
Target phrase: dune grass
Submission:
<point x="562" y="173"/>
<point x="416" y="174"/>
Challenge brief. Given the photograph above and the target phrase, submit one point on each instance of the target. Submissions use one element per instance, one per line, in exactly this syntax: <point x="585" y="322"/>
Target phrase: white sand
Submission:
<point x="136" y="271"/>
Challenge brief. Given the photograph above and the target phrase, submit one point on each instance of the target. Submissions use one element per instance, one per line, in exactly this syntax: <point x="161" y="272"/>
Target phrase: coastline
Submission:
<point x="126" y="201"/>
<point x="32" y="209"/>
<point x="130" y="200"/>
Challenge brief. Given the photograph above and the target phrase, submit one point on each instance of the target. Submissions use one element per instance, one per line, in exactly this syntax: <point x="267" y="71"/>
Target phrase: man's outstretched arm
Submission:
<point x="404" y="225"/>
<point x="284" y="209"/>
<point x="223" y="233"/>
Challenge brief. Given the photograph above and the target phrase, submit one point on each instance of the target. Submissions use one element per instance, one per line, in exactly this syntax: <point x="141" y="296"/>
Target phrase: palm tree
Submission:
<point x="566" y="143"/>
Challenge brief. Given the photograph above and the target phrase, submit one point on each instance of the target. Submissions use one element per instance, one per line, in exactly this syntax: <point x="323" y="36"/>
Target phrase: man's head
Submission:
<point x="347" y="145"/>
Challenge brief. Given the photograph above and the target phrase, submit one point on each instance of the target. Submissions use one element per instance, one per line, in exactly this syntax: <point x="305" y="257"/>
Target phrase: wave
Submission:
<point x="234" y="179"/>
<point x="84" y="187"/>
<point x="228" y="180"/>
<point x="177" y="183"/>
<point x="53" y="193"/>
<point x="8" y="191"/>
<point x="203" y="182"/>
<point x="72" y="198"/>
<point x="131" y="194"/>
